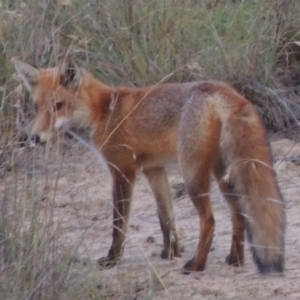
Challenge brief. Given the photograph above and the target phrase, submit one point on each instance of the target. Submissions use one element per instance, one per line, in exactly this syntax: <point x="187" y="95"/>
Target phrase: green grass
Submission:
<point x="137" y="43"/>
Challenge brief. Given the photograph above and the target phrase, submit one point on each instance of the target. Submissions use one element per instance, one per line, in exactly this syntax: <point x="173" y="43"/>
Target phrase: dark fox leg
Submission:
<point x="158" y="180"/>
<point x="122" y="191"/>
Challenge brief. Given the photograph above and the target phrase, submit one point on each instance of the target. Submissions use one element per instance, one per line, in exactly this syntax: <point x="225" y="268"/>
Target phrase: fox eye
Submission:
<point x="35" y="107"/>
<point x="58" y="105"/>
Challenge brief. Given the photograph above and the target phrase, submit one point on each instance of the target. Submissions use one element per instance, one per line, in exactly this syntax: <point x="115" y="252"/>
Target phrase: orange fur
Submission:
<point x="206" y="125"/>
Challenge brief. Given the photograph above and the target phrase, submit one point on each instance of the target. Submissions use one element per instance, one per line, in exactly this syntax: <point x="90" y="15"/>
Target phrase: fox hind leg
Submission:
<point x="158" y="180"/>
<point x="198" y="190"/>
<point x="236" y="255"/>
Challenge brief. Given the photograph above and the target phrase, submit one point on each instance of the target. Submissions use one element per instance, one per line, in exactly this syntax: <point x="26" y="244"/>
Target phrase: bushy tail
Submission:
<point x="265" y="222"/>
<point x="252" y="177"/>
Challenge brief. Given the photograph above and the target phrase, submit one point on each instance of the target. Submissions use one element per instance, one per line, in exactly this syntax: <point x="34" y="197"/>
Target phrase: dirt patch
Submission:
<point x="74" y="189"/>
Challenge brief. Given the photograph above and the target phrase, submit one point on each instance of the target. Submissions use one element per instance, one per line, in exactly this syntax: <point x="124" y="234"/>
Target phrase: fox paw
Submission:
<point x="106" y="262"/>
<point x="188" y="267"/>
<point x="233" y="260"/>
<point x="191" y="266"/>
<point x="167" y="254"/>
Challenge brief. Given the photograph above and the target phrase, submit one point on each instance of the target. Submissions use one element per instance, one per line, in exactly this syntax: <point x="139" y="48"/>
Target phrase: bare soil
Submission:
<point x="74" y="190"/>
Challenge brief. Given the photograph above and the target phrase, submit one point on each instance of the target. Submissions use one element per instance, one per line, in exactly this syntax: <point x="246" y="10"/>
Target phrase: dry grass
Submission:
<point x="248" y="44"/>
<point x="251" y="45"/>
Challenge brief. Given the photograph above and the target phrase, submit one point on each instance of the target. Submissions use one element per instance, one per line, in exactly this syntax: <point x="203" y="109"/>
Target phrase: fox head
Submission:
<point x="57" y="97"/>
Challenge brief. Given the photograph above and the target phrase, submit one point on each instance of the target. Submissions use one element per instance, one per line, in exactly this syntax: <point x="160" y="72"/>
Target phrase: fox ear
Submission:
<point x="70" y="75"/>
<point x="28" y="73"/>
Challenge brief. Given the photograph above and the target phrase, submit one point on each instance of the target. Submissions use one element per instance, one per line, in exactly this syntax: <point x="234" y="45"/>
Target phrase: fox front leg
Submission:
<point x="122" y="192"/>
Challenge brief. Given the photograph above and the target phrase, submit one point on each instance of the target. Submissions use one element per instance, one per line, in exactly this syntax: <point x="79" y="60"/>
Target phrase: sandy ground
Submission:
<point x="74" y="190"/>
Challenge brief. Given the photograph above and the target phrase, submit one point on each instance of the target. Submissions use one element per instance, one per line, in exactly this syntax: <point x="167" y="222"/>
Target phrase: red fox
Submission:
<point x="206" y="126"/>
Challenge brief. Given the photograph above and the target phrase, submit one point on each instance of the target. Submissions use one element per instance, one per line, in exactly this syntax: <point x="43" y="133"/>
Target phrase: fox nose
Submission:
<point x="35" y="138"/>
